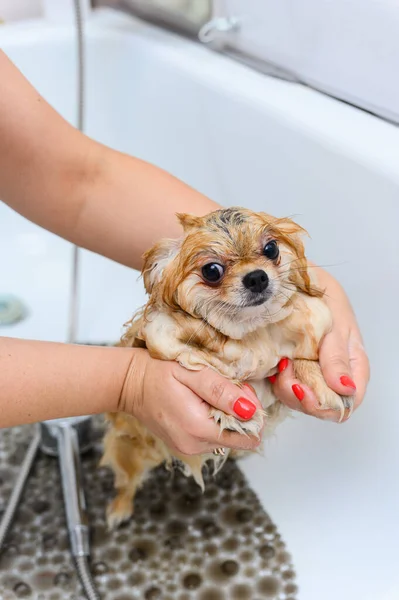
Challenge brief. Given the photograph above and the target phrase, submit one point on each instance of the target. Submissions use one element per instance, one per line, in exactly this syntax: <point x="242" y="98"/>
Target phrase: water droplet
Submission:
<point x="62" y="579"/>
<point x="25" y="566"/>
<point x="113" y="554"/>
<point x="49" y="541"/>
<point x="210" y="549"/>
<point x="283" y="557"/>
<point x="208" y="528"/>
<point x="136" y="579"/>
<point x="288" y="574"/>
<point x="269" y="586"/>
<point x="22" y="590"/>
<point x="173" y="542"/>
<point x="176" y="528"/>
<point x="291" y="588"/>
<point x="250" y="573"/>
<point x="211" y="492"/>
<point x="99" y="568"/>
<point x="231" y="544"/>
<point x="114" y="584"/>
<point x="153" y="593"/>
<point x="229" y="567"/>
<point x="192" y="581"/>
<point x="244" y="515"/>
<point x="225" y="480"/>
<point x="246" y="556"/>
<point x="212" y="594"/>
<point x="266" y="551"/>
<point x="241" y="592"/>
<point x="141" y="551"/>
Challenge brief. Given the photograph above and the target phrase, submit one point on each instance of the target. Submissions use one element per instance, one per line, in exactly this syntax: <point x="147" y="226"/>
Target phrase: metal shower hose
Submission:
<point x="82" y="564"/>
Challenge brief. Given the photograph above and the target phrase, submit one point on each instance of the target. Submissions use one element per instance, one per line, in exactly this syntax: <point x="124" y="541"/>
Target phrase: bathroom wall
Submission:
<point x="13" y="10"/>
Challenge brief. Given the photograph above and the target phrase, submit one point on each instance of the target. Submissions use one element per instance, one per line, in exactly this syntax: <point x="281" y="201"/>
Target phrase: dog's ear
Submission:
<point x="299" y="274"/>
<point x="291" y="234"/>
<point x="289" y="227"/>
<point x="299" y="269"/>
<point x="155" y="261"/>
<point x="189" y="222"/>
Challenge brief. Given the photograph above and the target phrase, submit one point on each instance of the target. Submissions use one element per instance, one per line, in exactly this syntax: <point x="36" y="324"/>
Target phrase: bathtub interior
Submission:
<point x="243" y="139"/>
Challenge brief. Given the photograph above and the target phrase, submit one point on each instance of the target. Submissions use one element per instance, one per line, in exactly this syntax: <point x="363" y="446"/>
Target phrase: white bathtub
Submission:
<point x="247" y="140"/>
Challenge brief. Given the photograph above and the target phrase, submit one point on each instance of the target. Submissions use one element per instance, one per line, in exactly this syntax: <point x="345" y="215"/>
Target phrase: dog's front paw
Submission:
<point x="251" y="427"/>
<point x="119" y="511"/>
<point x="309" y="372"/>
<point x="331" y="400"/>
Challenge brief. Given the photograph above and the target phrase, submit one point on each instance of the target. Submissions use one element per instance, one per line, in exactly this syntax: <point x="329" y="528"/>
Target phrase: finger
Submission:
<point x="335" y="363"/>
<point x="196" y="432"/>
<point x="233" y="440"/>
<point x="284" y="385"/>
<point x="220" y="392"/>
<point x="360" y="367"/>
<point x="297" y="396"/>
<point x="228" y="439"/>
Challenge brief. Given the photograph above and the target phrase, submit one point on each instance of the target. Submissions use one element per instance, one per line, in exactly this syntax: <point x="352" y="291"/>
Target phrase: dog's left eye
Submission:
<point x="212" y="272"/>
<point x="271" y="250"/>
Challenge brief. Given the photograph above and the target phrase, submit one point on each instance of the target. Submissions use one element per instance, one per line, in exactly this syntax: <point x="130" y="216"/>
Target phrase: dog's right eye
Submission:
<point x="212" y="272"/>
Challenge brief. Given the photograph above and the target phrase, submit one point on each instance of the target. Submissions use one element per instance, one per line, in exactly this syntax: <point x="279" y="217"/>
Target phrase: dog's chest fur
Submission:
<point x="171" y="335"/>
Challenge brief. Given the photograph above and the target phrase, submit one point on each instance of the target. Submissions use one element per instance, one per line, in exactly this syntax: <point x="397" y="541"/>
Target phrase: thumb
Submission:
<point x="220" y="392"/>
<point x="335" y="364"/>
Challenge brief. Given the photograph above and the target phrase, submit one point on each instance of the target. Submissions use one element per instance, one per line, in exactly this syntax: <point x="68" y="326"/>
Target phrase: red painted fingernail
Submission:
<point x="347" y="382"/>
<point x="272" y="378"/>
<point x="244" y="408"/>
<point x="282" y="365"/>
<point x="298" y="391"/>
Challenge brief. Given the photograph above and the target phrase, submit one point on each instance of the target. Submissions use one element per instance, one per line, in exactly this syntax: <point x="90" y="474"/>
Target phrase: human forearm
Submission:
<point x="43" y="380"/>
<point x="130" y="204"/>
<point x="43" y="159"/>
<point x="98" y="198"/>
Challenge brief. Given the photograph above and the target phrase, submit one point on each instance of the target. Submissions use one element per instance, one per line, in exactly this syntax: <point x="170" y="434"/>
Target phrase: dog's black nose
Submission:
<point x="256" y="281"/>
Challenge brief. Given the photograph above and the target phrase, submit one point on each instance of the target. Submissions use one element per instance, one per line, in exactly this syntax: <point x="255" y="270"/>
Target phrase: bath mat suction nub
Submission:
<point x="180" y="545"/>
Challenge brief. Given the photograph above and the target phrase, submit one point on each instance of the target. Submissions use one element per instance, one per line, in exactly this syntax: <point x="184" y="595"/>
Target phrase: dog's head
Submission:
<point x="234" y="268"/>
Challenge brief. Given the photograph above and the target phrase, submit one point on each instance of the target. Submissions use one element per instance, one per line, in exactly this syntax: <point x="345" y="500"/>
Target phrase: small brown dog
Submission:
<point x="234" y="294"/>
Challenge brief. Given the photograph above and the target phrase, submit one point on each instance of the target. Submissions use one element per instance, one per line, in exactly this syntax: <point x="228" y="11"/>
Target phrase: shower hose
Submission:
<point x="82" y="563"/>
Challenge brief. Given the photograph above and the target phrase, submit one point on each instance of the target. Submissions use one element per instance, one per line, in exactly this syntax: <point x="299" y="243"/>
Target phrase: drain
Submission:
<point x="12" y="310"/>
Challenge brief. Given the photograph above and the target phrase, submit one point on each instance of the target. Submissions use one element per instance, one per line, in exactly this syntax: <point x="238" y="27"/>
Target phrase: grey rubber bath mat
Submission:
<point x="180" y="545"/>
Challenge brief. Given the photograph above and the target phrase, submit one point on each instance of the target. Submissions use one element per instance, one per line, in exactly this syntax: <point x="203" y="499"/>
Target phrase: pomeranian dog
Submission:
<point x="235" y="294"/>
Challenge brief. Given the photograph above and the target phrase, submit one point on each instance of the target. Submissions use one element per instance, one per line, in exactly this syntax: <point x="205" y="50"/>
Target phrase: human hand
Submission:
<point x="174" y="404"/>
<point x="342" y="358"/>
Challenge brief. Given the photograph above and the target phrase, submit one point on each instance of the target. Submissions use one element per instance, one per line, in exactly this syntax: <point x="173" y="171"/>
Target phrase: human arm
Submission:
<point x="44" y="380"/>
<point x="87" y="193"/>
